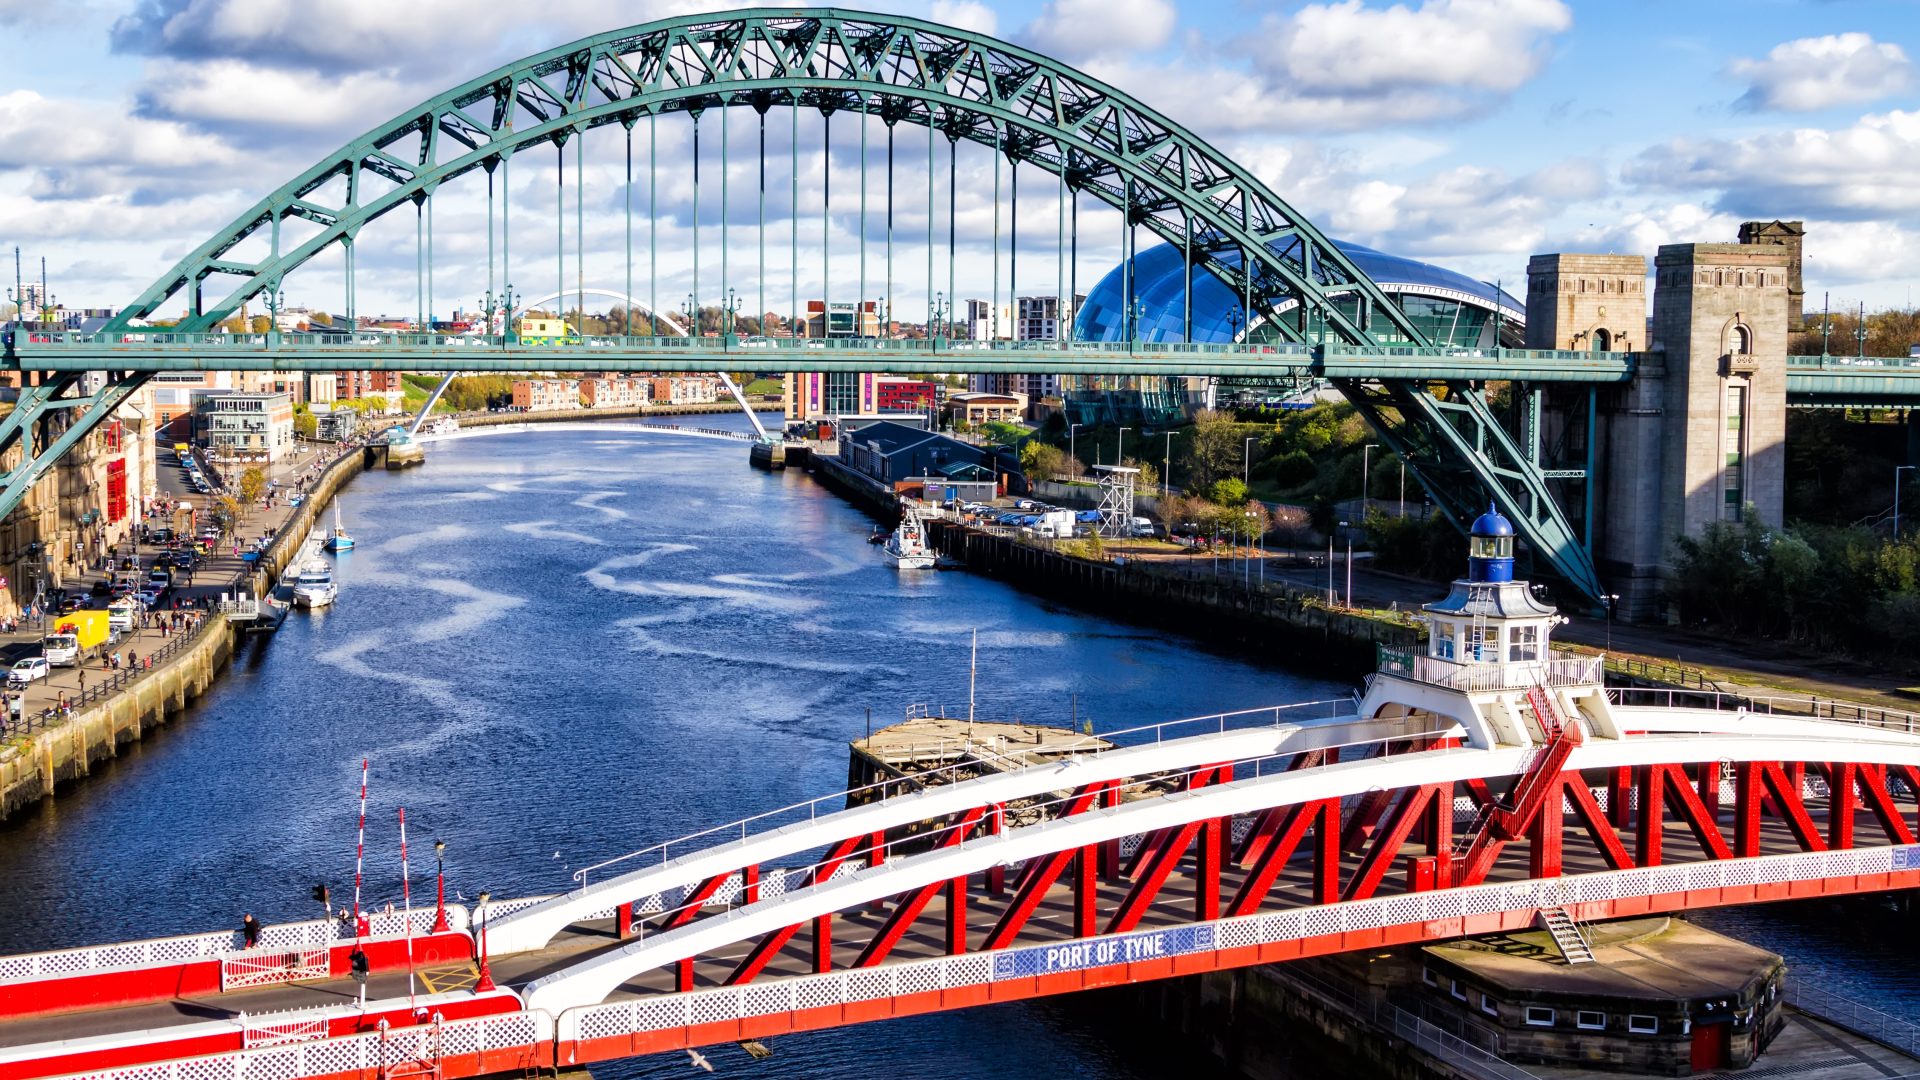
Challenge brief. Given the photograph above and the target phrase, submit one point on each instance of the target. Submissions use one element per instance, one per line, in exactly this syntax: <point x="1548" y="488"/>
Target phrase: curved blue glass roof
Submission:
<point x="1161" y="287"/>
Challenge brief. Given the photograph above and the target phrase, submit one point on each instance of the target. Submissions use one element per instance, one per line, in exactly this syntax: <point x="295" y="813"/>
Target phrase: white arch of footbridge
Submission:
<point x="657" y="318"/>
<point x="1662" y="736"/>
<point x="595" y="427"/>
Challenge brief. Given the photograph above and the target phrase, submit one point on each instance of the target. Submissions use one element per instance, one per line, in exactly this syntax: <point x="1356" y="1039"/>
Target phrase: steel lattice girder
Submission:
<point x="965" y="85"/>
<point x="1457" y="449"/>
<point x="36" y="403"/>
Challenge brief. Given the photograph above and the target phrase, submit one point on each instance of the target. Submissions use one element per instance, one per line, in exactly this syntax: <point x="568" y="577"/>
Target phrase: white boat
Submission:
<point x="340" y="540"/>
<point x="907" y="547"/>
<point x="315" y="588"/>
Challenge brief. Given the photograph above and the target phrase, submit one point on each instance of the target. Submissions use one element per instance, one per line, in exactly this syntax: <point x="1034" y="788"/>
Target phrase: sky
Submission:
<point x="1469" y="133"/>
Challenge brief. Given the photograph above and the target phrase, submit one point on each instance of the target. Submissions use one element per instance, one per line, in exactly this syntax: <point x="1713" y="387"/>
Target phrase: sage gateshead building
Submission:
<point x="1452" y="308"/>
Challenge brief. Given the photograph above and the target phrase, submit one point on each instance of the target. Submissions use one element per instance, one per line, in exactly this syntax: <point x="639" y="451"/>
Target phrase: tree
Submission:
<point x="305" y="424"/>
<point x="1229" y="491"/>
<point x="1149" y="477"/>
<point x="1215" y="449"/>
<point x="253" y="484"/>
<point x="1041" y="461"/>
<point x="231" y="511"/>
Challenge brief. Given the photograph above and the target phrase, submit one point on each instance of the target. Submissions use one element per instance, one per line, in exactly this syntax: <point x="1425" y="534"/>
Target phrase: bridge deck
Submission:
<point x="1051" y="922"/>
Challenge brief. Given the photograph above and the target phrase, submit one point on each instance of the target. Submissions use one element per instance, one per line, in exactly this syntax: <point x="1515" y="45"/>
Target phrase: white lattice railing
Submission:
<point x="277" y="938"/>
<point x="947" y="972"/>
<point x="268" y="967"/>
<point x="366" y="1053"/>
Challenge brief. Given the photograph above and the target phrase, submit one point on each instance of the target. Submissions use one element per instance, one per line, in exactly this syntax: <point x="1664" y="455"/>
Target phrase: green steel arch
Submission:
<point x="965" y="85"/>
<point x="960" y="84"/>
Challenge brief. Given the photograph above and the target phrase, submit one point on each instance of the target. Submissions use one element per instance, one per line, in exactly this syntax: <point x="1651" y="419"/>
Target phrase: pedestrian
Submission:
<point x="131" y="659"/>
<point x="250" y="930"/>
<point x="83" y="680"/>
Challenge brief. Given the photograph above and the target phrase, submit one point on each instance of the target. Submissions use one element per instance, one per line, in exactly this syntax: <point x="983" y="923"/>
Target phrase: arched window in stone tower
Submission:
<point x="1740" y="343"/>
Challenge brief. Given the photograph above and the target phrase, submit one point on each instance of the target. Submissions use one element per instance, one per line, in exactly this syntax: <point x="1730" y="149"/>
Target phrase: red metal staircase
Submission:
<point x="1498" y="825"/>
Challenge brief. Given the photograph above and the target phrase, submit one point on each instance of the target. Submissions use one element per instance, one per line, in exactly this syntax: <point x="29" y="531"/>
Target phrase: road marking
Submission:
<point x="448" y="979"/>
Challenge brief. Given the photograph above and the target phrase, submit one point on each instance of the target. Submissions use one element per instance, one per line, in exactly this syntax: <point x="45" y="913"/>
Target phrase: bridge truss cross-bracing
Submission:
<point x="1088" y="138"/>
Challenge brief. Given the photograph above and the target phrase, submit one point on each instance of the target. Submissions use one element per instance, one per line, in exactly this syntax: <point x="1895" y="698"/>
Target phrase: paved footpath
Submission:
<point x="211" y="577"/>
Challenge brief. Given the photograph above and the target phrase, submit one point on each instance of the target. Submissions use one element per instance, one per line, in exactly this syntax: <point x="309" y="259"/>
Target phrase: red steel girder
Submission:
<point x="912" y="904"/>
<point x="1039" y="876"/>
<point x="1323" y="816"/>
<point x="1166" y="855"/>
<point x="1386" y="842"/>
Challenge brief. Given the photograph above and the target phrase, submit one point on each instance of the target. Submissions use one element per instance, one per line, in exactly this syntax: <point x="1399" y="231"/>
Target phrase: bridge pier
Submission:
<point x="1699" y="434"/>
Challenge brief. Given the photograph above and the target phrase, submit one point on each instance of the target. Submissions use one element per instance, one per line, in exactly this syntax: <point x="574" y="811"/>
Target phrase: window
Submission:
<point x="1539" y="1017"/>
<point x="1526" y="643"/>
<point x="1427" y="976"/>
<point x="1643" y="1025"/>
<point x="1443" y="634"/>
<point x="1590" y="1021"/>
<point x="1488" y="1005"/>
<point x="1454" y="988"/>
<point x="1742" y="341"/>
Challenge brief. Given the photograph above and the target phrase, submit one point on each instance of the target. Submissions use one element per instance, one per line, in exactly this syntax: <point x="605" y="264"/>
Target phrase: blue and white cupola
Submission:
<point x="1490" y="549"/>
<point x="1488" y="617"/>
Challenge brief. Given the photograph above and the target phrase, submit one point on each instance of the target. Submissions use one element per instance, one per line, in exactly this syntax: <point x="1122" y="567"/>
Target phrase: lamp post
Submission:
<point x="1120" y="447"/>
<point x="1166" y="469"/>
<point x="729" y="312"/>
<point x="938" y="331"/>
<point x="1349" y="601"/>
<point x="485" y="982"/>
<point x="1072" y="429"/>
<point x="1610" y="599"/>
<point x="1403" y="487"/>
<point x="1366" y="461"/>
<point x="1246" y="464"/>
<point x="440" y="887"/>
<point x="1897" y="470"/>
<point x="691" y="309"/>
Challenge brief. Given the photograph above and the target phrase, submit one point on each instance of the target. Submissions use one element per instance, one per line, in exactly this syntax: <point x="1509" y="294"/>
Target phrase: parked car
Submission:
<point x="149" y="598"/>
<point x="26" y="671"/>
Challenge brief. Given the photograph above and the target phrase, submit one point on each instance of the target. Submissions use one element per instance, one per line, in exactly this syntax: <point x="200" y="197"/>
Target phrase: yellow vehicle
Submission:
<point x="538" y="331"/>
<point x="182" y="450"/>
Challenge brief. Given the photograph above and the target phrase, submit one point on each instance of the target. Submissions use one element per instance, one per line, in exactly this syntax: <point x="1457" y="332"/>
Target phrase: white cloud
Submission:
<point x="1077" y="29"/>
<point x="966" y="15"/>
<point x="1864" y="171"/>
<point x="1810" y="74"/>
<point x="228" y="94"/>
<point x="50" y="132"/>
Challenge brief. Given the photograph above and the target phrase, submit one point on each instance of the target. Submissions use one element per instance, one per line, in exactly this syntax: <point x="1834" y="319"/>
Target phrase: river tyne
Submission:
<point x="556" y="647"/>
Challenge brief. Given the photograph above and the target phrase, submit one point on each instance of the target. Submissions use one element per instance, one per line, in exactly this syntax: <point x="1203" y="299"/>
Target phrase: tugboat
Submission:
<point x="907" y="547"/>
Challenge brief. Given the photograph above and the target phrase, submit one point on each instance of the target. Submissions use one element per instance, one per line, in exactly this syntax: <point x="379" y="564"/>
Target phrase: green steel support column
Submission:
<point x="694" y="330"/>
<point x="726" y="276"/>
<point x="953" y="196"/>
<point x="1186" y="258"/>
<point x="993" y="305"/>
<point x="1013" y="243"/>
<point x="419" y="270"/>
<point x="653" y="224"/>
<point x="1246" y="277"/>
<point x="930" y="126"/>
<point x="793" y="219"/>
<point x="492" y="297"/>
<point x="762" y="313"/>
<point x="353" y="323"/>
<point x="1073" y="255"/>
<point x="429" y="324"/>
<point x="696" y="327"/>
<point x="1593" y="462"/>
<point x="1533" y="426"/>
<point x="506" y="245"/>
<point x="889" y="314"/>
<point x="826" y="223"/>
<point x="1126" y="264"/>
<point x="860" y="299"/>
<point x="580" y="228"/>
<point x="627" y="194"/>
<point x="1062" y="302"/>
<point x="560" y="229"/>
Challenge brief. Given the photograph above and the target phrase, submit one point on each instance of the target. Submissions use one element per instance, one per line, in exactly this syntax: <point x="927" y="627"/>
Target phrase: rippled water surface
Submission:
<point x="558" y="646"/>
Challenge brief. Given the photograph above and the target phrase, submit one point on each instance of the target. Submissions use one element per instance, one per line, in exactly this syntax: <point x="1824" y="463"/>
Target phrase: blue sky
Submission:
<point x="1466" y="132"/>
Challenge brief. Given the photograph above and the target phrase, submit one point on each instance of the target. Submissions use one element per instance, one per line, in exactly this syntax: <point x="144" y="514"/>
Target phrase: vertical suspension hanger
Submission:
<point x="579" y="228"/>
<point x="627" y="193"/>
<point x="560" y="226"/>
<point x="694" y="299"/>
<point x="860" y="298"/>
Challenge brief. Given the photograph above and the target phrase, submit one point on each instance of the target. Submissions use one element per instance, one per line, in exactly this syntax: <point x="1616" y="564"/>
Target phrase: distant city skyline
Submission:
<point x="1469" y="133"/>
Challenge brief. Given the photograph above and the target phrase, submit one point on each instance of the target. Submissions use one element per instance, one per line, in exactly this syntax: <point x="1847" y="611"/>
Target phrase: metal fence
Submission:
<point x="1888" y="1031"/>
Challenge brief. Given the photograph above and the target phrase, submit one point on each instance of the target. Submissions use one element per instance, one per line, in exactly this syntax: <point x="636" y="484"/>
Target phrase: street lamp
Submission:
<point x="1330" y="535"/>
<point x="1610" y="599"/>
<point x="936" y="327"/>
<point x="1343" y="525"/>
<point x="1166" y="468"/>
<point x="691" y="310"/>
<point x="485" y="982"/>
<point x="440" y="887"/>
<point x="1897" y="470"/>
<point x="1366" y="460"/>
<point x="1246" y="464"/>
<point x="1120" y="447"/>
<point x="1072" y="429"/>
<point x="730" y="311"/>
